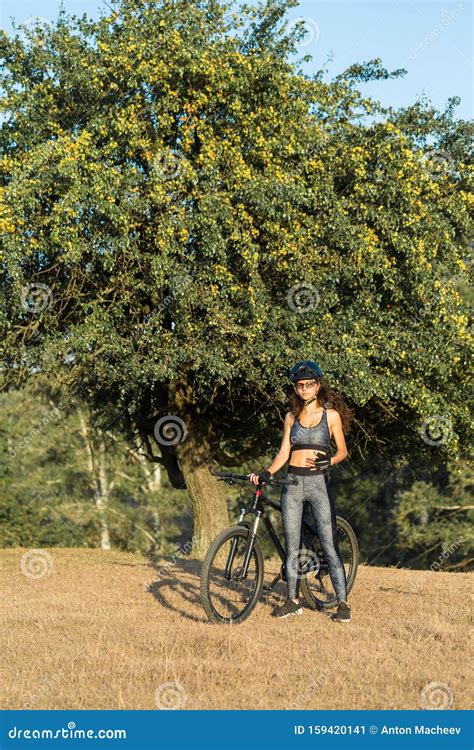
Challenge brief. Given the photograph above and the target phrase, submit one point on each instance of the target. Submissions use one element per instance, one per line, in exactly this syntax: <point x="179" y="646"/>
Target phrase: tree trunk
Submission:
<point x="98" y="478"/>
<point x="102" y="496"/>
<point x="194" y="454"/>
<point x="207" y="496"/>
<point x="153" y="484"/>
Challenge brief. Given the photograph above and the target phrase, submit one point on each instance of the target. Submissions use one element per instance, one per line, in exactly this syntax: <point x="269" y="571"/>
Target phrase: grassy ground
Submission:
<point x="104" y="630"/>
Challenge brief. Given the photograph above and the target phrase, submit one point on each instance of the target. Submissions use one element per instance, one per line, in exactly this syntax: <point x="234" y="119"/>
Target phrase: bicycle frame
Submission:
<point x="258" y="509"/>
<point x="315" y="564"/>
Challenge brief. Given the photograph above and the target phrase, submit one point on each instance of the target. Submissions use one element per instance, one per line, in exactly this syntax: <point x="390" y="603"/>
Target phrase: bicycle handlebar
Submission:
<point x="227" y="476"/>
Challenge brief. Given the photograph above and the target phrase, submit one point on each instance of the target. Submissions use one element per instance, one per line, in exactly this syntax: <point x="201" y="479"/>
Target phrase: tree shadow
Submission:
<point x="173" y="578"/>
<point x="399" y="591"/>
<point x="170" y="578"/>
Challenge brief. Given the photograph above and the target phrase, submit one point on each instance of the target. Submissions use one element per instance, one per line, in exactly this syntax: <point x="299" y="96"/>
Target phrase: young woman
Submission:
<point x="307" y="431"/>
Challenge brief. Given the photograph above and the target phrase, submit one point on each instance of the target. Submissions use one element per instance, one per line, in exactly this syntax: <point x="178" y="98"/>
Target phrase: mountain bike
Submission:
<point x="232" y="573"/>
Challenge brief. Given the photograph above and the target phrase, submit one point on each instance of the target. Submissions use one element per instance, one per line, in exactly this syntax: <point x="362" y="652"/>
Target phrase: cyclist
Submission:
<point x="307" y="431"/>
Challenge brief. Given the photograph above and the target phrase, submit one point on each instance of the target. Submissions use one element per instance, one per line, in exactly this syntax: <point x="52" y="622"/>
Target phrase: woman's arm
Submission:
<point x="283" y="453"/>
<point x="335" y="425"/>
<point x="337" y="432"/>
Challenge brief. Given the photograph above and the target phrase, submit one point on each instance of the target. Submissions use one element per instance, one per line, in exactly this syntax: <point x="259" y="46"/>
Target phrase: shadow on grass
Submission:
<point x="182" y="577"/>
<point x="170" y="578"/>
<point x="400" y="591"/>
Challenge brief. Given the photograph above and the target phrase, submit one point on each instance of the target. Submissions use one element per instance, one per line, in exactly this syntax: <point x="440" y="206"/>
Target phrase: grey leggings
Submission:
<point x="315" y="489"/>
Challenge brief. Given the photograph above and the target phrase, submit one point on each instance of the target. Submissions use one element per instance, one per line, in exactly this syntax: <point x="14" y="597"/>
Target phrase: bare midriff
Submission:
<point x="299" y="456"/>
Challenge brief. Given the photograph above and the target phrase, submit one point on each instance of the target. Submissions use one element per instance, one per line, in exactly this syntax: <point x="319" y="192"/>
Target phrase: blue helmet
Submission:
<point x="305" y="370"/>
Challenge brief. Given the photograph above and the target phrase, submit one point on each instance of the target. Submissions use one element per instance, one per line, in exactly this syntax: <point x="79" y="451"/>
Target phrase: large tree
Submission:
<point x="187" y="213"/>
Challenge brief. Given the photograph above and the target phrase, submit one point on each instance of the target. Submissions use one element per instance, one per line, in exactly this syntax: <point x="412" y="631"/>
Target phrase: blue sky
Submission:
<point x="432" y="40"/>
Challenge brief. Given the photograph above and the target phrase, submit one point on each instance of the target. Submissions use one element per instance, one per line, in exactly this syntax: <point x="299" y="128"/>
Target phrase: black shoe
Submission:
<point x="288" y="608"/>
<point x="343" y="613"/>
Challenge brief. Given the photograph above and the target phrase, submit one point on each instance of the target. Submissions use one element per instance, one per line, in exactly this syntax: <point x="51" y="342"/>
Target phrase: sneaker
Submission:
<point x="343" y="613"/>
<point x="288" y="608"/>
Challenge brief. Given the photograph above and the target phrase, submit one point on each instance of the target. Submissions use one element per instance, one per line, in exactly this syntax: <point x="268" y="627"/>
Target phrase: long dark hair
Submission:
<point x="328" y="398"/>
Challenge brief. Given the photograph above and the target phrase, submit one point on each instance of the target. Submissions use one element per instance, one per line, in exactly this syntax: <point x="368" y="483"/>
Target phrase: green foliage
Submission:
<point x="186" y="214"/>
<point x="47" y="484"/>
<point x="431" y="519"/>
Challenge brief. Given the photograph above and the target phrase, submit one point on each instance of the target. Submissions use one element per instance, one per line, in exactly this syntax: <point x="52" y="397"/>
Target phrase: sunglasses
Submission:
<point x="309" y="384"/>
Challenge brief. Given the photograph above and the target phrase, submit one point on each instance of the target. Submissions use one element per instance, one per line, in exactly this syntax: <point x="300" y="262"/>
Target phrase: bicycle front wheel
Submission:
<point x="226" y="596"/>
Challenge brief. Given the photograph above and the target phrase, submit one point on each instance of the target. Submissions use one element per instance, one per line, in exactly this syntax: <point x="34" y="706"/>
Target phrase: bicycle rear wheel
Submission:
<point x="225" y="595"/>
<point x="316" y="586"/>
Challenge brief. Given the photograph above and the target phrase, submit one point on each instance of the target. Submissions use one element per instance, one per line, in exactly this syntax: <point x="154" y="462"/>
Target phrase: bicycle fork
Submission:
<point x="248" y="550"/>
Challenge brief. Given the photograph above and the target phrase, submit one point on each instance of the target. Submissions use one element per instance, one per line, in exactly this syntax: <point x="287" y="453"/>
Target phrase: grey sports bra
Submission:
<point x="310" y="437"/>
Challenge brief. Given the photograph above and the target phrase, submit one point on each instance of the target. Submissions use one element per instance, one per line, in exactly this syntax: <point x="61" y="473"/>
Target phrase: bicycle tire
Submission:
<point x="310" y="598"/>
<point x="220" y="539"/>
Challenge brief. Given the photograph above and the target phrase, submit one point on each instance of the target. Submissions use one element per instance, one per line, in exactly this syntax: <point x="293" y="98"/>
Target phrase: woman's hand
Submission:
<point x="257" y="478"/>
<point x="319" y="462"/>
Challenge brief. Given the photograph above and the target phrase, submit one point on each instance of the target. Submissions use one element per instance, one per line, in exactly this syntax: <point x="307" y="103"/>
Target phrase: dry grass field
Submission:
<point x="107" y="630"/>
